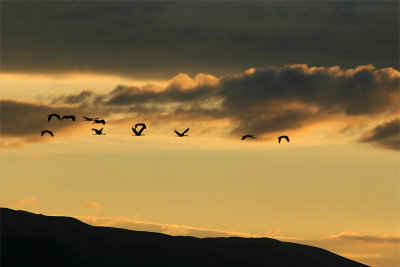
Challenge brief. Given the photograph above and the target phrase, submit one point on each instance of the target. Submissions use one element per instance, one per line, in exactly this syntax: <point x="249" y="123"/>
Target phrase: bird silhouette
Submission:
<point x="248" y="136"/>
<point x="72" y="117"/>
<point x="183" y="133"/>
<point x="283" y="136"/>
<point x="54" y="115"/>
<point x="98" y="132"/>
<point x="46" y="131"/>
<point x="89" y="119"/>
<point x="139" y="133"/>
<point x="99" y="121"/>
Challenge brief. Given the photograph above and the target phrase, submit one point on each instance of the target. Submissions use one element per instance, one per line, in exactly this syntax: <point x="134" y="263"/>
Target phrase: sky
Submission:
<point x="324" y="73"/>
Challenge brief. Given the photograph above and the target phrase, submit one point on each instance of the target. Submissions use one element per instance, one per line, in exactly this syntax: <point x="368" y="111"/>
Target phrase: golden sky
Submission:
<point x="335" y="185"/>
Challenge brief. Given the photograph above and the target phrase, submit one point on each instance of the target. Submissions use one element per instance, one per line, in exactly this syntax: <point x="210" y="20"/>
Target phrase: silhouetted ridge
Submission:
<point x="29" y="239"/>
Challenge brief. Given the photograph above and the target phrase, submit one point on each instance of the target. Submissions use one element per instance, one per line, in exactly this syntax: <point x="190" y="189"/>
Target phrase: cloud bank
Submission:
<point x="264" y="102"/>
<point x="217" y="37"/>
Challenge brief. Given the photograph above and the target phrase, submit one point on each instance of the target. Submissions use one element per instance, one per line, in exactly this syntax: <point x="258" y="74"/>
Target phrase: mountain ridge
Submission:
<point x="40" y="240"/>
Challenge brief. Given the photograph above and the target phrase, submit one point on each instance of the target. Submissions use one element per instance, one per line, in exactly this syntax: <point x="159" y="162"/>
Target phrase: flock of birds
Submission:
<point x="137" y="129"/>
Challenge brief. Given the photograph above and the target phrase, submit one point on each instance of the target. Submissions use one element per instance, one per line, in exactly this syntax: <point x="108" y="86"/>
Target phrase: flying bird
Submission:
<point x="138" y="133"/>
<point x="46" y="131"/>
<point x="72" y="117"/>
<point x="283" y="136"/>
<point x="248" y="136"/>
<point x="183" y="133"/>
<point x="54" y="115"/>
<point x="98" y="132"/>
<point x="99" y="121"/>
<point x="89" y="119"/>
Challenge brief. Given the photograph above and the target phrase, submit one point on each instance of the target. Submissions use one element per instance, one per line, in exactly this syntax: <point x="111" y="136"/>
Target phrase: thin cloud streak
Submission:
<point x="21" y="203"/>
<point x="91" y="205"/>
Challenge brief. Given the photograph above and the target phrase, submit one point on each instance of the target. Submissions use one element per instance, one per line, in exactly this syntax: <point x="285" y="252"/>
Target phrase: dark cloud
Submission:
<point x="156" y="39"/>
<point x="386" y="135"/>
<point x="123" y="95"/>
<point x="290" y="97"/>
<point x="268" y="100"/>
<point x="82" y="98"/>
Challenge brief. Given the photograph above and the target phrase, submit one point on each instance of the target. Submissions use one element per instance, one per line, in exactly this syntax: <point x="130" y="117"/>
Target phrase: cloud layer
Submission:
<point x="216" y="37"/>
<point x="265" y="102"/>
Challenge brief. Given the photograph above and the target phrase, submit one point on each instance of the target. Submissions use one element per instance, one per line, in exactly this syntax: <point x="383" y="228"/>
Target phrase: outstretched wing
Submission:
<point x="101" y="130"/>
<point x="178" y="133"/>
<point x="287" y="138"/>
<point x="243" y="137"/>
<point x="140" y="124"/>
<point x="279" y="139"/>
<point x="47" y="131"/>
<point x="93" y="129"/>
<point x="72" y="117"/>
<point x="135" y="132"/>
<point x="141" y="130"/>
<point x="185" y="131"/>
<point x="53" y="115"/>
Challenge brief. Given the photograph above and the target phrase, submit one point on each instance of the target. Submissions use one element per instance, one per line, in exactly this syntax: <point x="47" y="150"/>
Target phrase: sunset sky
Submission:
<point x="324" y="73"/>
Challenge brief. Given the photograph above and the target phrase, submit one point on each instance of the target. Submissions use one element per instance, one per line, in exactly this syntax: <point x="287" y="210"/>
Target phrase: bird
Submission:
<point x="54" y="115"/>
<point x="138" y="133"/>
<point x="283" y="136"/>
<point x="72" y="117"/>
<point x="99" y="121"/>
<point x="248" y="135"/>
<point x="89" y="119"/>
<point x="182" y="134"/>
<point x="98" y="132"/>
<point x="46" y="131"/>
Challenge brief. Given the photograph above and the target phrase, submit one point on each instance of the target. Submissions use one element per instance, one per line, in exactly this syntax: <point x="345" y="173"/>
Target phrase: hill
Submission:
<point x="29" y="239"/>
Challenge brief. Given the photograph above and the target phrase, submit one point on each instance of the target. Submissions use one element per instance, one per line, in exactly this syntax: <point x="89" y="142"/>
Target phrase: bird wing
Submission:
<point x="141" y="130"/>
<point x="73" y="118"/>
<point x="185" y="131"/>
<point x="140" y="124"/>
<point x="53" y="115"/>
<point x="42" y="133"/>
<point x="287" y="138"/>
<point x="51" y="133"/>
<point x="93" y="129"/>
<point x="279" y="139"/>
<point x="101" y="130"/>
<point x="134" y="131"/>
<point x="243" y="137"/>
<point x="178" y="133"/>
<point x="65" y="117"/>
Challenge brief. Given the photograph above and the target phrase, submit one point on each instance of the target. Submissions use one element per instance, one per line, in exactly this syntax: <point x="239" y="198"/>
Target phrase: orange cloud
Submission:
<point x="91" y="205"/>
<point x="21" y="203"/>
